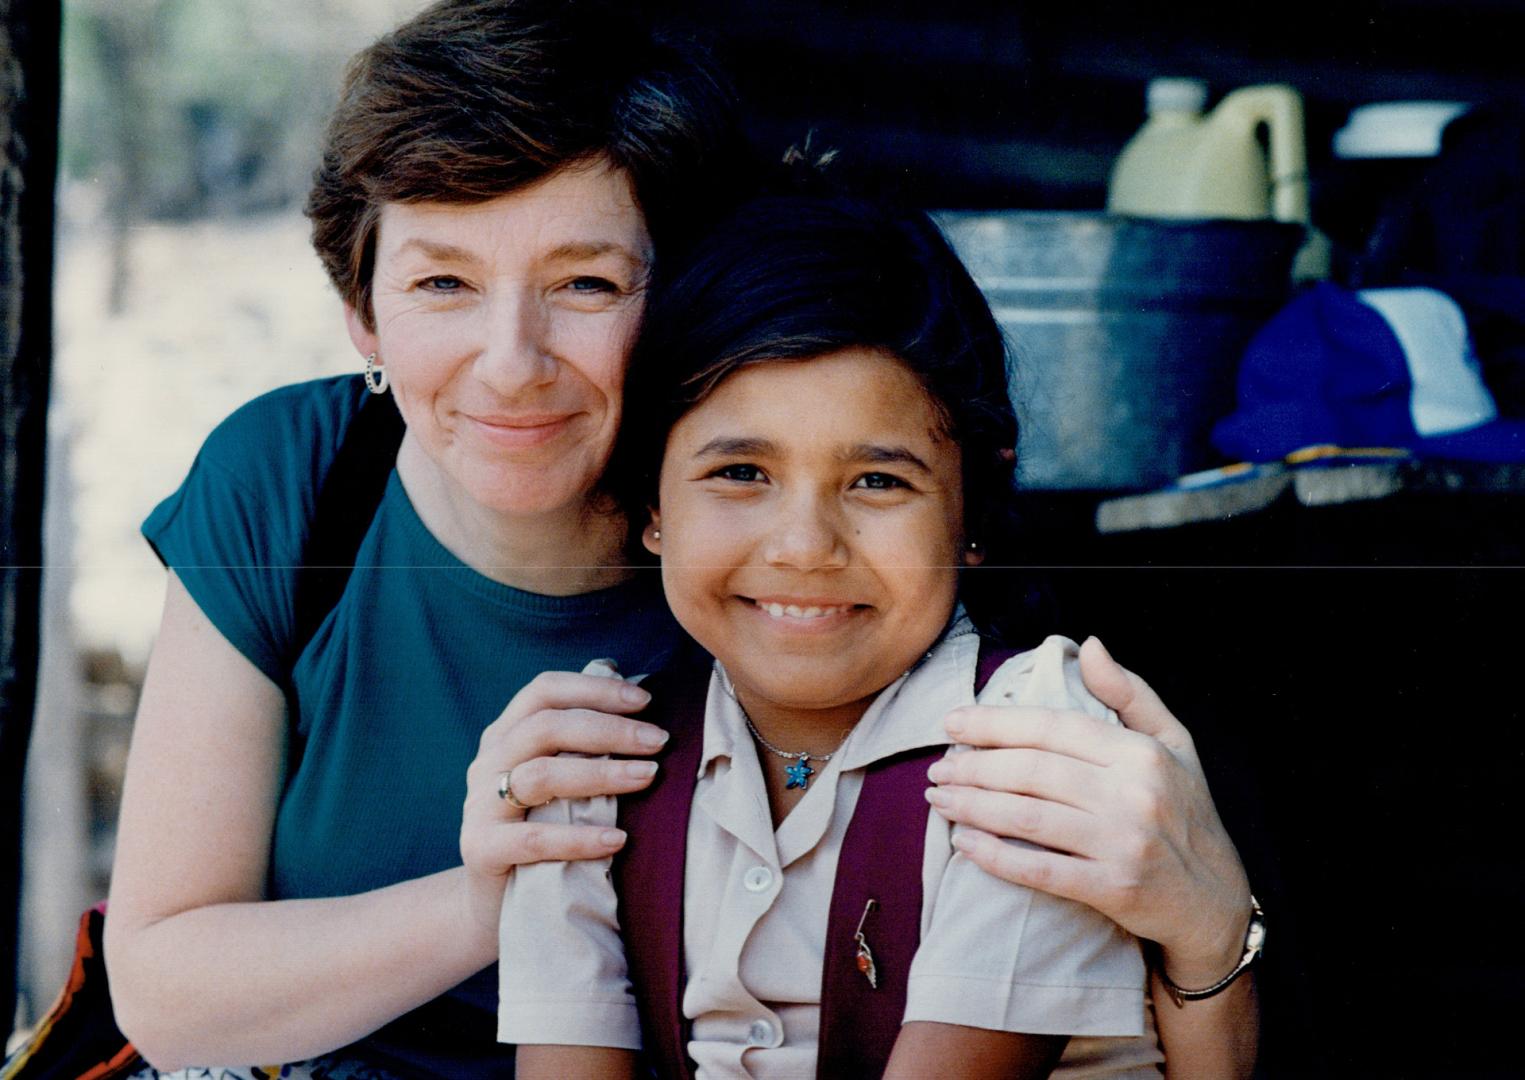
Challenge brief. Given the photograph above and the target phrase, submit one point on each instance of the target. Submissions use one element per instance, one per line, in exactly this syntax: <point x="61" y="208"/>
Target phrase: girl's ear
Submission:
<point x="364" y="339"/>
<point x="973" y="553"/>
<point x="651" y="535"/>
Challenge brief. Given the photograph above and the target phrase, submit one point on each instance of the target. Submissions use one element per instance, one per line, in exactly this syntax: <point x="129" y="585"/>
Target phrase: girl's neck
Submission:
<point x="564" y="552"/>
<point x="816" y="732"/>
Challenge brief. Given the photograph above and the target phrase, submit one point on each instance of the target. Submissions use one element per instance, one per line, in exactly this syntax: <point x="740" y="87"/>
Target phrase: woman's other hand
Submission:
<point x="1125" y="812"/>
<point x="557" y="712"/>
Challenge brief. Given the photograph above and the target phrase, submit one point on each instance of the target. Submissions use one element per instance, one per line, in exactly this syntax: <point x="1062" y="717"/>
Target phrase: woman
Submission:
<point x="296" y="872"/>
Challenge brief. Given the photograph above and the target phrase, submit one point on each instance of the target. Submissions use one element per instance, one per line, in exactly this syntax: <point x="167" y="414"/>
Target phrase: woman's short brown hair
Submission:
<point x="472" y="99"/>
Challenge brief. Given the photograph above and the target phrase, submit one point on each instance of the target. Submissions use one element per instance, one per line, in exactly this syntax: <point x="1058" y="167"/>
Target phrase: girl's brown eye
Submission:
<point x="880" y="482"/>
<point x="743" y="474"/>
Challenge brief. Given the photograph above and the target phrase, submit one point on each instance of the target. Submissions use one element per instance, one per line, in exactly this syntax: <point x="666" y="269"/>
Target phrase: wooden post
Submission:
<point x="29" y="88"/>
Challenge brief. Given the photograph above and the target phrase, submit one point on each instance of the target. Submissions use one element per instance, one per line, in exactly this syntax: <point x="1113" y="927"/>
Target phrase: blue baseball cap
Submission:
<point x="1379" y="367"/>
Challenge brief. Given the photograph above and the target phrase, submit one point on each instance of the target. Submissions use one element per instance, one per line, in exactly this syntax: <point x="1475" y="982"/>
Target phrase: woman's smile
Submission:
<point x="521" y="432"/>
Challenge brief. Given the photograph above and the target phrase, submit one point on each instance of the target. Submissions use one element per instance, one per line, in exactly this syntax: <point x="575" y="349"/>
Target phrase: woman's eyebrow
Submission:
<point x="592" y="249"/>
<point x="434" y="249"/>
<point x="879" y="454"/>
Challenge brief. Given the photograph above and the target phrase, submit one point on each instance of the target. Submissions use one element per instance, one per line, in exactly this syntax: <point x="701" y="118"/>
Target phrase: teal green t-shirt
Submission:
<point x="391" y="695"/>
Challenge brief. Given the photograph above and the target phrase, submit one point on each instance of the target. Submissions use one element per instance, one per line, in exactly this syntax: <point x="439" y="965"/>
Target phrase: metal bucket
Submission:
<point x="1125" y="333"/>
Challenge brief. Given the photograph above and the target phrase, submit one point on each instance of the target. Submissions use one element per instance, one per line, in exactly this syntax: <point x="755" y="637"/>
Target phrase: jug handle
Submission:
<point x="1280" y="108"/>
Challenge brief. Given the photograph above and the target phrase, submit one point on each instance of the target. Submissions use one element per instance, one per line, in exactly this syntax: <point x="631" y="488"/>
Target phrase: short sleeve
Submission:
<point x="235" y="530"/>
<point x="563" y="980"/>
<point x="1007" y="958"/>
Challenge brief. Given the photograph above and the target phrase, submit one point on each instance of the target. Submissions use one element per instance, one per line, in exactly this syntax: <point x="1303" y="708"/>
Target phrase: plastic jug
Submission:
<point x="1182" y="164"/>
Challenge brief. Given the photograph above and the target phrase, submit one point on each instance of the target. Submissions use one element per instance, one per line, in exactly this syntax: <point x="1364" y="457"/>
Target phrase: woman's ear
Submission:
<point x="973" y="553"/>
<point x="363" y="337"/>
<point x="651" y="535"/>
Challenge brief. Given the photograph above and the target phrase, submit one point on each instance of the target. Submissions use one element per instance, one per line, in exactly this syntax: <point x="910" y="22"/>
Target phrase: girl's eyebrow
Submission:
<point x="732" y="445"/>
<point x="883" y="455"/>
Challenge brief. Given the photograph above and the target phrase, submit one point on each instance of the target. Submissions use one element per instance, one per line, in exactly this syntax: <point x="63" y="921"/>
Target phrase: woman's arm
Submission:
<point x="926" y="1049"/>
<point x="1132" y="831"/>
<point x="203" y="969"/>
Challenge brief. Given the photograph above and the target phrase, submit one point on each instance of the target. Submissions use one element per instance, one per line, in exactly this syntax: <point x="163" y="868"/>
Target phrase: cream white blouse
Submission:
<point x="992" y="955"/>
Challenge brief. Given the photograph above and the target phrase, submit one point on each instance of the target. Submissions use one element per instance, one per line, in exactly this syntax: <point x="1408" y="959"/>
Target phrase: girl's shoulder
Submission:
<point x="1046" y="676"/>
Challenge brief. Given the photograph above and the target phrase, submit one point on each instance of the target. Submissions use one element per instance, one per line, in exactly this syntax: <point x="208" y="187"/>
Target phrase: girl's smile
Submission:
<point x="810" y="527"/>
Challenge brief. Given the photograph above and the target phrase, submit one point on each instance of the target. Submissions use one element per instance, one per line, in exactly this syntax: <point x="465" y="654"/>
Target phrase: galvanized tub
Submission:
<point x="1125" y="333"/>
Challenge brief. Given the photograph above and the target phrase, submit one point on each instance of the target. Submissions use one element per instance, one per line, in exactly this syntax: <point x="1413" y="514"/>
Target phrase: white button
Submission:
<point x="760" y="1033"/>
<point x="758" y="879"/>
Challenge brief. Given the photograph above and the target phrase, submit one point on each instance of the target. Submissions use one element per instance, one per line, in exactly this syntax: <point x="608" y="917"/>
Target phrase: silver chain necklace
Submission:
<point x="797" y="775"/>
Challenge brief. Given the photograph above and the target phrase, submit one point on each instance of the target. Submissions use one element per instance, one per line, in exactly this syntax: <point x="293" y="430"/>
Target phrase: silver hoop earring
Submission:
<point x="375" y="376"/>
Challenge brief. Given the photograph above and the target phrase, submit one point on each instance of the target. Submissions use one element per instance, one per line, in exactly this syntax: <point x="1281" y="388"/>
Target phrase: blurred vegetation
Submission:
<point x="179" y="109"/>
<point x="182" y="108"/>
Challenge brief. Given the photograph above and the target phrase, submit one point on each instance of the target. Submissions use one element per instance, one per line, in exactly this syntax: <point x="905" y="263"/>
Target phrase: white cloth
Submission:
<point x="992" y="955"/>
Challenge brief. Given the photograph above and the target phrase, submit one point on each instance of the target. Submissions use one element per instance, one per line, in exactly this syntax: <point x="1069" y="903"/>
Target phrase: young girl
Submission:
<point x="819" y="413"/>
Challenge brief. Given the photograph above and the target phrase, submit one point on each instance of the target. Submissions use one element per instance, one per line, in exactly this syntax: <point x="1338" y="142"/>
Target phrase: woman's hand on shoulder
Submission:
<point x="1125" y="812"/>
<point x="557" y="712"/>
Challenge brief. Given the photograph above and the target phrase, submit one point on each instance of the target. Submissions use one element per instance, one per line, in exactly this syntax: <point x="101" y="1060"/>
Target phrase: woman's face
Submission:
<point x="811" y="515"/>
<point x="505" y="327"/>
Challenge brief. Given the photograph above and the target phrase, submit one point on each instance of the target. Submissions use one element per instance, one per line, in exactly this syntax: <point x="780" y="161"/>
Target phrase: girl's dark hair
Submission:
<point x="796" y="277"/>
<point x="473" y="99"/>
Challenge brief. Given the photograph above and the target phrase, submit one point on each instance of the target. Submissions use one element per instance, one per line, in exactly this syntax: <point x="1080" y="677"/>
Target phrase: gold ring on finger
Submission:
<point x="506" y="790"/>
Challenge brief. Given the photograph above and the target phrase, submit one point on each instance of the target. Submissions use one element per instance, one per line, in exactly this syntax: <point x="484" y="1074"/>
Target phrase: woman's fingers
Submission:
<point x="502" y="847"/>
<point x="1040" y="821"/>
<point x="570" y="690"/>
<point x="1036" y="773"/>
<point x="539" y="780"/>
<point x="1046" y="871"/>
<point x="1135" y="702"/>
<point x="1060" y="731"/>
<point x="550" y="732"/>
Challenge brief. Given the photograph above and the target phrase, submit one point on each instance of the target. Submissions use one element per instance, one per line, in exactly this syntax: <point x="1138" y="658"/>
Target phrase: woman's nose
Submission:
<point x="807" y="533"/>
<point x="516" y="349"/>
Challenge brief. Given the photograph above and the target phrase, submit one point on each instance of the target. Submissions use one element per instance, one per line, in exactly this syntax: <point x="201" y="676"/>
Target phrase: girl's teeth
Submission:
<point x="778" y="611"/>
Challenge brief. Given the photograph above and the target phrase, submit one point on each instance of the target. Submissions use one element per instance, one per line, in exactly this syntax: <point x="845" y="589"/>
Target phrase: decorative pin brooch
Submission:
<point x="865" y="956"/>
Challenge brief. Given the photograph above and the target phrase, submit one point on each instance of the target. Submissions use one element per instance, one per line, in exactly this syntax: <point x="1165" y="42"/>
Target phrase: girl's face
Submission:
<point x="505" y="327"/>
<point x="811" y="527"/>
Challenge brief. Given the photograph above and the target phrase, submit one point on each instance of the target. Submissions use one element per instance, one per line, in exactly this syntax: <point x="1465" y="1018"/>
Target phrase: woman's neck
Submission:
<point x="563" y="552"/>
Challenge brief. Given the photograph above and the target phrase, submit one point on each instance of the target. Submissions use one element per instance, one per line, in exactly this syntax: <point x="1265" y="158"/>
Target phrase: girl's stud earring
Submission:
<point x="656" y="534"/>
<point x="375" y="376"/>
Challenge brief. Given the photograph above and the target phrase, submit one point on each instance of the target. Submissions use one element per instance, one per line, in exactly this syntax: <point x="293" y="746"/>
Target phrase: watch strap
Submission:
<point x="1254" y="942"/>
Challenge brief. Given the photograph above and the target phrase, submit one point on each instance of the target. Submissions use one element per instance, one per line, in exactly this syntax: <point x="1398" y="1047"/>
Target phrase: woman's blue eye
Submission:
<point x="878" y="481"/>
<point x="442" y="283"/>
<point x="593" y="284"/>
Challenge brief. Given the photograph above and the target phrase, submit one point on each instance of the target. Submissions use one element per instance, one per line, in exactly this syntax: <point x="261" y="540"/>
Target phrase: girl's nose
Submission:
<point x="516" y="351"/>
<point x="807" y="534"/>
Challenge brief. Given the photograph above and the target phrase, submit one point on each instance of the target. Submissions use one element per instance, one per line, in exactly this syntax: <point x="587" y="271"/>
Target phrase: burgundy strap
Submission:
<point x="648" y="871"/>
<point x="880" y="860"/>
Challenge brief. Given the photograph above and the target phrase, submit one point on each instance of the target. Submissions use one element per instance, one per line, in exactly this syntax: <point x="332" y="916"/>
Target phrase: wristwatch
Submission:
<point x="1254" y="941"/>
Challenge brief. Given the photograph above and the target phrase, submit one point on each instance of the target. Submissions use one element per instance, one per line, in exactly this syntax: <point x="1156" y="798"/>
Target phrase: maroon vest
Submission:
<point x="859" y="1023"/>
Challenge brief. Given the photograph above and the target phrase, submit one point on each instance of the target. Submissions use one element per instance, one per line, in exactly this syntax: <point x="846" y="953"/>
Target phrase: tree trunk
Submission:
<point x="29" y="87"/>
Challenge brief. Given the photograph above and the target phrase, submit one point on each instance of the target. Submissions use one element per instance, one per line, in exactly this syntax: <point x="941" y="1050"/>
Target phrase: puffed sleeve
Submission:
<point x="235" y="530"/>
<point x="562" y="977"/>
<point x="1007" y="958"/>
